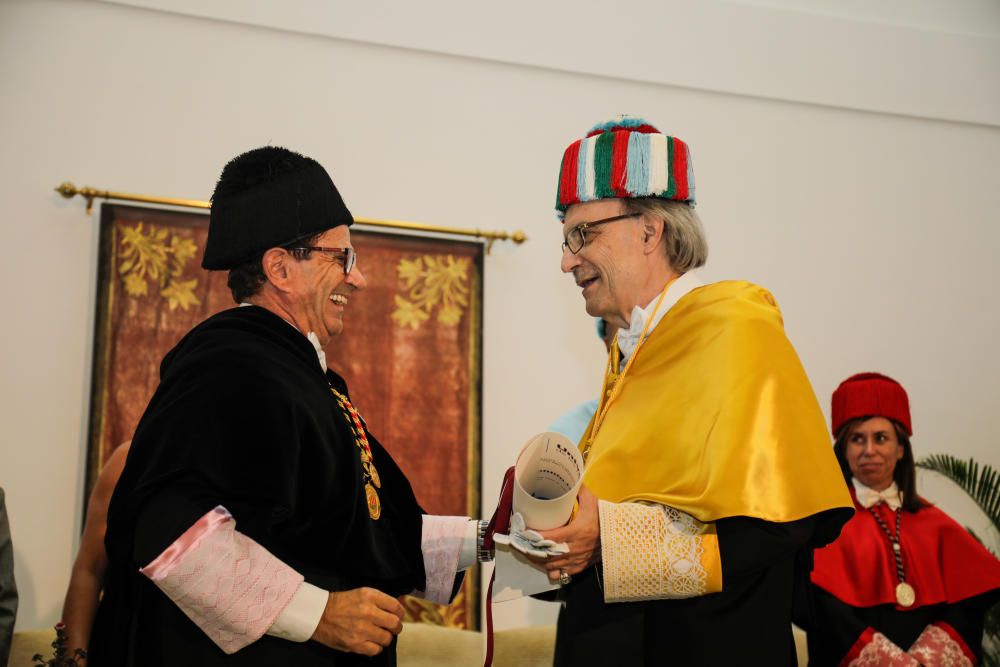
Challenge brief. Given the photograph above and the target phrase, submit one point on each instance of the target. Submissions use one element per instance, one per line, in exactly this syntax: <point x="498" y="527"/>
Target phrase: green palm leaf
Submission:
<point x="980" y="481"/>
<point x="982" y="484"/>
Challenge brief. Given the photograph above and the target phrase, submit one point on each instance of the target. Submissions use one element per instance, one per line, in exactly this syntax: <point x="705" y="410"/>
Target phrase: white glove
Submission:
<point x="529" y="542"/>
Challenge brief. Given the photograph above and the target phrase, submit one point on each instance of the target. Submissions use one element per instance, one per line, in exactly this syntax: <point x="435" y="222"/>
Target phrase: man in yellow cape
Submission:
<point x="709" y="475"/>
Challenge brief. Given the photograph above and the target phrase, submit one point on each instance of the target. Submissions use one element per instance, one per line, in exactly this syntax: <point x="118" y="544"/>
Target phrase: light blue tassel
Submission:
<point x="581" y="172"/>
<point x="690" y="175"/>
<point x="622" y="120"/>
<point x="637" y="164"/>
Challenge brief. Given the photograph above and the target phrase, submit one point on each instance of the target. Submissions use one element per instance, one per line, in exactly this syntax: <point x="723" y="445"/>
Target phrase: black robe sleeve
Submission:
<point x="244" y="417"/>
<point x="834" y="627"/>
<point x="747" y="544"/>
<point x="967" y="618"/>
<point x="747" y="623"/>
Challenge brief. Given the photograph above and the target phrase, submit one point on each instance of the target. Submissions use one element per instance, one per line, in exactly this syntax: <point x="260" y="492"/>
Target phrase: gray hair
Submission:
<point x="683" y="234"/>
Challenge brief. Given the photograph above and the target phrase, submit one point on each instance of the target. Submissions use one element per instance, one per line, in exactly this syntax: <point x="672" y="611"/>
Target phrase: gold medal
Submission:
<point x="374" y="506"/>
<point x="364" y="453"/>
<point x="905" y="595"/>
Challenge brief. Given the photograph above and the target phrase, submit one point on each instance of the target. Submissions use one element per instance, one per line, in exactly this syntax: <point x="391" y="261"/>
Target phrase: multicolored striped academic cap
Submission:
<point x="625" y="158"/>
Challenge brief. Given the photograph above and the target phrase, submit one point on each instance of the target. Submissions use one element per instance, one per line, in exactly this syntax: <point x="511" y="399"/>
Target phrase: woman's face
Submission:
<point x="872" y="451"/>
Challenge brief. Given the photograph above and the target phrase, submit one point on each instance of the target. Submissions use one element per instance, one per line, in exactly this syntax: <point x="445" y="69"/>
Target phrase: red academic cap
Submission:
<point x="870" y="395"/>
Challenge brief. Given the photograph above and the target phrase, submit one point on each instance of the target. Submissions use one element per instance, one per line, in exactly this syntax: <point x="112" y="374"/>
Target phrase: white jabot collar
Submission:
<point x="320" y="354"/>
<point x="311" y="337"/>
<point x="628" y="339"/>
<point x="869" y="497"/>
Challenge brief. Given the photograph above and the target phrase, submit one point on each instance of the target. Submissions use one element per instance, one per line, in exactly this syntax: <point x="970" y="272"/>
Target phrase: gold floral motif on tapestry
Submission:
<point x="159" y="257"/>
<point x="432" y="281"/>
<point x="418" y="610"/>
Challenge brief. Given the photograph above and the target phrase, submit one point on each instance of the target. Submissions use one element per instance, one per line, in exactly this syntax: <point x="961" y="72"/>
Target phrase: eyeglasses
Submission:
<point x="577" y="237"/>
<point x="346" y="256"/>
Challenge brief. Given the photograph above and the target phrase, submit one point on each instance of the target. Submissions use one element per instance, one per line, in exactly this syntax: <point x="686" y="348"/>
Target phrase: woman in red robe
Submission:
<point x="903" y="584"/>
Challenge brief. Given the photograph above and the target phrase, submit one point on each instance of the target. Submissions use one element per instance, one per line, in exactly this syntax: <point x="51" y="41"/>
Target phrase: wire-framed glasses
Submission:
<point x="577" y="237"/>
<point x="346" y="256"/>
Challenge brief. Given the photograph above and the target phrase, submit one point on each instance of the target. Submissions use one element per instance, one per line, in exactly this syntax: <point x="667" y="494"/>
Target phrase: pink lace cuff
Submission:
<point x="230" y="586"/>
<point x="441" y="542"/>
<point x="939" y="645"/>
<point x="873" y="649"/>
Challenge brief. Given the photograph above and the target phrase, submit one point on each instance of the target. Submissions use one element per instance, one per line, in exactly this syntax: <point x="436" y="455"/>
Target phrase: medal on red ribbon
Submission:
<point x="370" y="474"/>
<point x="905" y="594"/>
<point x="374" y="505"/>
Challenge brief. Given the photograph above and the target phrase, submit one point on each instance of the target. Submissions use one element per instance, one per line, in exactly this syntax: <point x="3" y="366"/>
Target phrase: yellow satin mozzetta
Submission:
<point x="717" y="418"/>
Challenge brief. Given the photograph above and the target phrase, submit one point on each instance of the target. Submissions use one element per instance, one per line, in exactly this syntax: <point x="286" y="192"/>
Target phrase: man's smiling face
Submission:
<point x="322" y="290"/>
<point x="608" y="268"/>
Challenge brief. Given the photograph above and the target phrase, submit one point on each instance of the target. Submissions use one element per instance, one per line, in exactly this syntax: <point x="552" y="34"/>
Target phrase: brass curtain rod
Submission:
<point x="68" y="190"/>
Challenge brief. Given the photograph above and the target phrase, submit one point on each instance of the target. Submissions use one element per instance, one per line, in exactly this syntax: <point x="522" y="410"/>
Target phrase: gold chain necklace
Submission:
<point x="615" y="379"/>
<point x="370" y="474"/>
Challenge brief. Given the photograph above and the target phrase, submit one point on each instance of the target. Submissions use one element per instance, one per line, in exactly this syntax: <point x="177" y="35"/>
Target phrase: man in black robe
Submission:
<point x="257" y="521"/>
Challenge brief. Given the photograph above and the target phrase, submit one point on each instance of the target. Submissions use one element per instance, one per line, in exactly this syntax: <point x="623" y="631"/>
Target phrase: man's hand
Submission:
<point x="362" y="620"/>
<point x="582" y="534"/>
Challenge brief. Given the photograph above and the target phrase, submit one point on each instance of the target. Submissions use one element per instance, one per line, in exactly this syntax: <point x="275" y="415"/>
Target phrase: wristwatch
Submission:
<point x="482" y="555"/>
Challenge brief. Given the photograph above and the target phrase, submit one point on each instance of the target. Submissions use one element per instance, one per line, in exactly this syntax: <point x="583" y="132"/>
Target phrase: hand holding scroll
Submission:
<point x="582" y="534"/>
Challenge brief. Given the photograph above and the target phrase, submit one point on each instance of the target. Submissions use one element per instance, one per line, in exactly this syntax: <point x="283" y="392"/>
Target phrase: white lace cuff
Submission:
<point x="441" y="541"/>
<point x="653" y="552"/>
<point x="467" y="557"/>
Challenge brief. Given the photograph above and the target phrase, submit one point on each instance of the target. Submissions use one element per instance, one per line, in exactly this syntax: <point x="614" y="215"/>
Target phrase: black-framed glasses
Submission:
<point x="346" y="256"/>
<point x="577" y="237"/>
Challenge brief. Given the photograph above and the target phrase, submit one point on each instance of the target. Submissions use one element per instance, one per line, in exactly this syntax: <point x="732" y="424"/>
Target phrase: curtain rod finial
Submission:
<point x="67" y="190"/>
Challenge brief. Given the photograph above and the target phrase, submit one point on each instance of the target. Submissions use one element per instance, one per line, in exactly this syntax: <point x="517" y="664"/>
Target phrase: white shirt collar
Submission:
<point x="311" y="337"/>
<point x="320" y="354"/>
<point x="628" y="339"/>
<point x="868" y="497"/>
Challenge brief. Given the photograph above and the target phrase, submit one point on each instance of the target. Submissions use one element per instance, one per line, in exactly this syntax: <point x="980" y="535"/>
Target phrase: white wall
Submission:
<point x="875" y="230"/>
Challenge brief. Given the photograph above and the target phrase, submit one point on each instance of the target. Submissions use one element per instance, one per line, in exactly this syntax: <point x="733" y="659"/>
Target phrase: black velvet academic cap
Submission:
<point x="265" y="198"/>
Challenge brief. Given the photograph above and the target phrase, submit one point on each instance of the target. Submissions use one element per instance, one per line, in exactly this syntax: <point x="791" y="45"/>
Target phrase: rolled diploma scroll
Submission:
<point x="547" y="477"/>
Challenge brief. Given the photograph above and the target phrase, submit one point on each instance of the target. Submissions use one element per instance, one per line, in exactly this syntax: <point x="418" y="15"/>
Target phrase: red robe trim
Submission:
<point x="942" y="561"/>
<point x="864" y="639"/>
